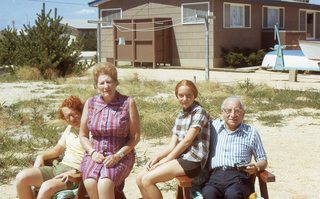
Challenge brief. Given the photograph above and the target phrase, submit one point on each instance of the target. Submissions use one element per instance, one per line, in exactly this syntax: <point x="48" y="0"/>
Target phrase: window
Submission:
<point x="237" y="15"/>
<point x="189" y="11"/>
<point x="302" y="20"/>
<point x="273" y="16"/>
<point x="108" y="15"/>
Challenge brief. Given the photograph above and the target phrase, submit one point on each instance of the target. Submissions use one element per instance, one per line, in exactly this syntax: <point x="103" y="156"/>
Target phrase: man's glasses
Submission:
<point x="236" y="111"/>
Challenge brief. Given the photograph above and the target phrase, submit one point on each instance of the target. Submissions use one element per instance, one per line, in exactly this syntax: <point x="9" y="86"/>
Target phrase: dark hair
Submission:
<point x="71" y="102"/>
<point x="188" y="83"/>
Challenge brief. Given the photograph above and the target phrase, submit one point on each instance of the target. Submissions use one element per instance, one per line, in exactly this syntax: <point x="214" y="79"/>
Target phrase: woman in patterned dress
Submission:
<point x="188" y="149"/>
<point x="113" y="122"/>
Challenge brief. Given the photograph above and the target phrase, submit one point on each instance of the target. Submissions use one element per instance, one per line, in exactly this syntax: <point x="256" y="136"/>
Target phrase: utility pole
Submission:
<point x="98" y="38"/>
<point x="206" y="20"/>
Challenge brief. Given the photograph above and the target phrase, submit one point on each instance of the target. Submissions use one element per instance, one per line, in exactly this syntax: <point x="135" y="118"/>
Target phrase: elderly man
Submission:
<point x="232" y="147"/>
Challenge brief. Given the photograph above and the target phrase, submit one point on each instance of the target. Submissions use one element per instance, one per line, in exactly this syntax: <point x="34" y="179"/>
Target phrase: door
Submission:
<point x="310" y="22"/>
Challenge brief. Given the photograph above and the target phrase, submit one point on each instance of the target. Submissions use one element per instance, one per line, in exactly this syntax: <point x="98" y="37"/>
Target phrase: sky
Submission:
<point x="19" y="12"/>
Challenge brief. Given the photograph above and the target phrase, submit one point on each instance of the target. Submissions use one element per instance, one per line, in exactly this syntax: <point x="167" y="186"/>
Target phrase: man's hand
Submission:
<point x="252" y="168"/>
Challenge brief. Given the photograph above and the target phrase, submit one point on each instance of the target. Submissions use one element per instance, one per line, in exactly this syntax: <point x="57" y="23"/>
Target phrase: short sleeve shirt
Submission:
<point x="227" y="149"/>
<point x="196" y="116"/>
<point x="73" y="149"/>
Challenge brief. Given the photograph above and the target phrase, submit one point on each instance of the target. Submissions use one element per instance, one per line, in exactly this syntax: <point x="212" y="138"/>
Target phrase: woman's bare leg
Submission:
<point x="50" y="187"/>
<point x="162" y="173"/>
<point x="91" y="187"/>
<point x="139" y="177"/>
<point x="106" y="188"/>
<point x="25" y="180"/>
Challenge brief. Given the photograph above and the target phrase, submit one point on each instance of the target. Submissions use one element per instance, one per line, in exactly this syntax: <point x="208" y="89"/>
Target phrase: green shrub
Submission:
<point x="245" y="57"/>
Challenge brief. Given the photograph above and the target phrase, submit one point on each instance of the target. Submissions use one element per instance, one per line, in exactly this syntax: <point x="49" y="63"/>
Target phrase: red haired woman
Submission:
<point x="51" y="179"/>
<point x="188" y="149"/>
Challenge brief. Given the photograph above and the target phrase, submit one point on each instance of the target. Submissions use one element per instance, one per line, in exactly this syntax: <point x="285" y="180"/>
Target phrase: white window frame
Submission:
<point x="243" y="20"/>
<point x="104" y="25"/>
<point x="305" y="20"/>
<point x="278" y="12"/>
<point x="194" y="21"/>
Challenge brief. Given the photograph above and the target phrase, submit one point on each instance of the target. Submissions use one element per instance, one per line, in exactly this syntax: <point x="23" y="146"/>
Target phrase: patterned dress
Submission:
<point x="109" y="127"/>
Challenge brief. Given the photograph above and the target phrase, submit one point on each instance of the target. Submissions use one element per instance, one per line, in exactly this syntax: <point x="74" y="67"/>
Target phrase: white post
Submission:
<point x="206" y="20"/>
<point x="98" y="38"/>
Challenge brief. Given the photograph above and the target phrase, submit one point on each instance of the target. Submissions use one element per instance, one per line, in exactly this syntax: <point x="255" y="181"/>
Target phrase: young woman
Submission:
<point x="51" y="179"/>
<point x="188" y="149"/>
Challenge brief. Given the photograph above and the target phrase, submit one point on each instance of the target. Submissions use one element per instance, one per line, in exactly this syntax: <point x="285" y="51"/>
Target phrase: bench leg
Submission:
<point x="183" y="192"/>
<point x="263" y="189"/>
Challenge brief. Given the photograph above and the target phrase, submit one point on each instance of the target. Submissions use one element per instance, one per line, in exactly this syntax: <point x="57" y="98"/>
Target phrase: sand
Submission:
<point x="293" y="149"/>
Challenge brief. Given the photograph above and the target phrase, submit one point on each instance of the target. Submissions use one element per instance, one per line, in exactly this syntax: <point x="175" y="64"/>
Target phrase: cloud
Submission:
<point x="85" y="11"/>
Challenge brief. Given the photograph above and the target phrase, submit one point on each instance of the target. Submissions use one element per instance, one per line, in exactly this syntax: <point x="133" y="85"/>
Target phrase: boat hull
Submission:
<point x="310" y="49"/>
<point x="293" y="60"/>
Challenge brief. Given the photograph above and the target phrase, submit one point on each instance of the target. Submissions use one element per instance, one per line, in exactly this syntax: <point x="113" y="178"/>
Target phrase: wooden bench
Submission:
<point x="184" y="185"/>
<point x="82" y="192"/>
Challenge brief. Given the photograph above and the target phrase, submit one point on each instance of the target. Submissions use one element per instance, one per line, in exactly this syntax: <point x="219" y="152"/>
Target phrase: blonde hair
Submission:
<point x="107" y="69"/>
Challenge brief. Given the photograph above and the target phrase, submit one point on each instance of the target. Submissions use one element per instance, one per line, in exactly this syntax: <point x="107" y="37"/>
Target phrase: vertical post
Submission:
<point x="206" y="20"/>
<point x="207" y="49"/>
<point x="43" y="8"/>
<point x="98" y="38"/>
<point x="98" y="42"/>
<point x="55" y="13"/>
<point x="293" y="74"/>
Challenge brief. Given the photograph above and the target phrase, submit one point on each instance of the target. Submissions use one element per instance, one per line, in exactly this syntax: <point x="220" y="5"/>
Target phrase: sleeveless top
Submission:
<point x="109" y="128"/>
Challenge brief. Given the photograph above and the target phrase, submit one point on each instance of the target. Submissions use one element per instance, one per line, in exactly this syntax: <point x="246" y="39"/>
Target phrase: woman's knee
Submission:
<point x="20" y="177"/>
<point x="139" y="177"/>
<point x="46" y="190"/>
<point x="147" y="180"/>
<point x="23" y="177"/>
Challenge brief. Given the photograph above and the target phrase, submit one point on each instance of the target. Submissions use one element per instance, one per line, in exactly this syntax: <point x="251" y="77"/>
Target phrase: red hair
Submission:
<point x="73" y="103"/>
<point x="189" y="84"/>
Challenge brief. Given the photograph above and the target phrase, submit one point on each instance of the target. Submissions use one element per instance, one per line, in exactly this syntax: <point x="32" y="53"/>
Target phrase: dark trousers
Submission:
<point x="229" y="184"/>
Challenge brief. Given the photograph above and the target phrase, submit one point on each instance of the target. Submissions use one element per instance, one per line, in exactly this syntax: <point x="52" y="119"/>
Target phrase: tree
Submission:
<point x="46" y="46"/>
<point x="9" y="42"/>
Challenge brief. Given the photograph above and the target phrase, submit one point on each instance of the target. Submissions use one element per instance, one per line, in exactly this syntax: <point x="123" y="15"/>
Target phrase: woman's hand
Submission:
<point x="111" y="160"/>
<point x="63" y="176"/>
<point x="39" y="161"/>
<point x="162" y="161"/>
<point x="151" y="163"/>
<point x="97" y="157"/>
<point x="67" y="176"/>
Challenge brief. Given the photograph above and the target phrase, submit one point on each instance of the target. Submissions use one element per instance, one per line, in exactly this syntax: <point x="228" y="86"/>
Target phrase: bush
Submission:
<point x="28" y="73"/>
<point x="245" y="57"/>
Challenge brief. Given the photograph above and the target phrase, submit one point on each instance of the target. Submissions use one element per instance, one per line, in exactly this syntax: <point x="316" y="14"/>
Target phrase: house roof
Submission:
<point x="79" y="23"/>
<point x="96" y="3"/>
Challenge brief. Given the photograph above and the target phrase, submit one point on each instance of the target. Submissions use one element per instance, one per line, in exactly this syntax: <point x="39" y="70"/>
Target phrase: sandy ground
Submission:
<point x="293" y="149"/>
